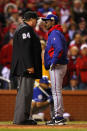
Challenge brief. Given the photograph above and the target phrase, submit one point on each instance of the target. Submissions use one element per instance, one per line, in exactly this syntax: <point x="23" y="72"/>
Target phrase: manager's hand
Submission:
<point x="30" y="70"/>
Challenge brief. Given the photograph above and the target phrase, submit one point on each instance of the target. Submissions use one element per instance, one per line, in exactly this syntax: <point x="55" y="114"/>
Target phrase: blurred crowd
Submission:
<point x="72" y="16"/>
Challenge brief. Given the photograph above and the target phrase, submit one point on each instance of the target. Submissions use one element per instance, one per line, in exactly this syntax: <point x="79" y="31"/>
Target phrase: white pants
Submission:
<point x="57" y="76"/>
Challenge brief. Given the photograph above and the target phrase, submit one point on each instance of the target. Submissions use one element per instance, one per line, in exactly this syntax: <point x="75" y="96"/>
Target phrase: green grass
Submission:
<point x="49" y="129"/>
<point x="7" y="128"/>
<point x="77" y="122"/>
<point x="5" y="122"/>
<point x="70" y="122"/>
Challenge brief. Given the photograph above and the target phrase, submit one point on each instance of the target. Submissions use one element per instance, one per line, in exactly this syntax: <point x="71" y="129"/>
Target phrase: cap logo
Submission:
<point x="52" y="18"/>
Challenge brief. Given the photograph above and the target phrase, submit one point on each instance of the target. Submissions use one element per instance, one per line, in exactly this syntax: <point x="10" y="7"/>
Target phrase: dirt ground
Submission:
<point x="43" y="126"/>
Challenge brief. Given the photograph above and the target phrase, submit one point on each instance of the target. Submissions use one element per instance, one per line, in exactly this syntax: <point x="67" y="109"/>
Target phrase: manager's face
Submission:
<point x="48" y="24"/>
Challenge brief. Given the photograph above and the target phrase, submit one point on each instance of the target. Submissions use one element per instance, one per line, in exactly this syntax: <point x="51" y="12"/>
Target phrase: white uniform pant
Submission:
<point x="57" y="76"/>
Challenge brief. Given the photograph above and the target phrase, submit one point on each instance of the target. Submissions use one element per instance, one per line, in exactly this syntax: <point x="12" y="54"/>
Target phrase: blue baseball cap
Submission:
<point x="74" y="77"/>
<point x="50" y="17"/>
<point x="44" y="80"/>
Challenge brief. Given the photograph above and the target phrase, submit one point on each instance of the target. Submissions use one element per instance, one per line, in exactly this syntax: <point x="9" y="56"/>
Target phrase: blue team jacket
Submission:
<point x="39" y="96"/>
<point x="56" y="48"/>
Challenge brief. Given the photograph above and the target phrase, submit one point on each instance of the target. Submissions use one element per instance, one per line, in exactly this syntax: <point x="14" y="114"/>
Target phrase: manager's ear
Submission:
<point x="53" y="22"/>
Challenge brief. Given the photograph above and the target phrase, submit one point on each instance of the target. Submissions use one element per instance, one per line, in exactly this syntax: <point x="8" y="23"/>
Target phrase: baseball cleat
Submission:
<point x="51" y="123"/>
<point x="60" y="121"/>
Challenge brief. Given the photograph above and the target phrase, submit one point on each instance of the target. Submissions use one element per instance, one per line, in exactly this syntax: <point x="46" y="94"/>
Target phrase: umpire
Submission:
<point x="26" y="66"/>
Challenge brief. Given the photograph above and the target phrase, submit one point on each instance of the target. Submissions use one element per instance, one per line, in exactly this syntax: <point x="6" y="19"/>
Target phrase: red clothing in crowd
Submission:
<point x="67" y="36"/>
<point x="72" y="66"/>
<point x="6" y="55"/>
<point x="71" y="70"/>
<point x="42" y="34"/>
<point x="3" y="31"/>
<point x="1" y="9"/>
<point x="81" y="68"/>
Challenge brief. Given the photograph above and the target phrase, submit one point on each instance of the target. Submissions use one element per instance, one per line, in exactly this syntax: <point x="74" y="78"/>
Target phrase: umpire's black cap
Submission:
<point x="29" y="14"/>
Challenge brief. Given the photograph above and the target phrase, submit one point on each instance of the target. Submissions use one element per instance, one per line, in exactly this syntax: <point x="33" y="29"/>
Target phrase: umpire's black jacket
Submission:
<point x="26" y="52"/>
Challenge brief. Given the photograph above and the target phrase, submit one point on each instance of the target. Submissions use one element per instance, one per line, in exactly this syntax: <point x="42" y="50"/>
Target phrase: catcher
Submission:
<point x="41" y="100"/>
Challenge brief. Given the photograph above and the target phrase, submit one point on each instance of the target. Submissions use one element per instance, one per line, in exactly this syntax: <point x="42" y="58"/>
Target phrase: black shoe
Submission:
<point x="27" y="122"/>
<point x="60" y="121"/>
<point x="51" y="123"/>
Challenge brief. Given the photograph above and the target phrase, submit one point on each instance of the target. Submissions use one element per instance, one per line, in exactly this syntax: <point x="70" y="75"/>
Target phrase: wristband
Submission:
<point x="48" y="100"/>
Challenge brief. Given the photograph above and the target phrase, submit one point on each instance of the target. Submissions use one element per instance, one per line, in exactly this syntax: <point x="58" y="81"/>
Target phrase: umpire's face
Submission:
<point x="33" y="22"/>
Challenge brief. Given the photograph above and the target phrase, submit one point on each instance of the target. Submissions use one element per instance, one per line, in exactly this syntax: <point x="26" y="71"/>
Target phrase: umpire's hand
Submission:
<point x="30" y="70"/>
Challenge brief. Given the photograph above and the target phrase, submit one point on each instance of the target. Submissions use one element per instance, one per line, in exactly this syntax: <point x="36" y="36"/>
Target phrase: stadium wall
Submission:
<point x="75" y="103"/>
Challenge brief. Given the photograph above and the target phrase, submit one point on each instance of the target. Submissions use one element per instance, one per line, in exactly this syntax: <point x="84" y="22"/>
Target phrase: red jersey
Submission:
<point x="6" y="55"/>
<point x="81" y="68"/>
